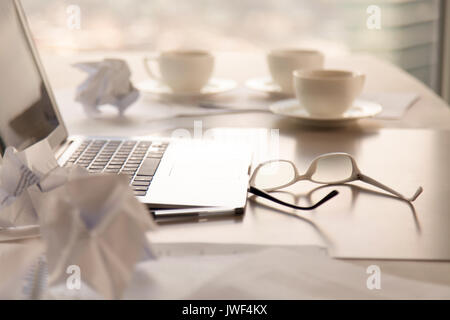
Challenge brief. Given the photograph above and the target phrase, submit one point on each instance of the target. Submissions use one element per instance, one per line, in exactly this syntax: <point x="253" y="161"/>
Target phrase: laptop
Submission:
<point x="162" y="173"/>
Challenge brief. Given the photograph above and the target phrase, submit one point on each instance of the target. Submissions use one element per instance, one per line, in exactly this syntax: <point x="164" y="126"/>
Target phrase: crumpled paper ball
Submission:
<point x="95" y="223"/>
<point x="108" y="82"/>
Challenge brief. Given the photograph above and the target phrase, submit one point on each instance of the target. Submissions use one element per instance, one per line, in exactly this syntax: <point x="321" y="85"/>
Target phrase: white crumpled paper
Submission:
<point x="20" y="170"/>
<point x="15" y="177"/>
<point x="108" y="83"/>
<point x="95" y="223"/>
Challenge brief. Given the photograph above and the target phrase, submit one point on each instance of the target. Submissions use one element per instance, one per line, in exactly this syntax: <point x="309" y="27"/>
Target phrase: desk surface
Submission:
<point x="262" y="225"/>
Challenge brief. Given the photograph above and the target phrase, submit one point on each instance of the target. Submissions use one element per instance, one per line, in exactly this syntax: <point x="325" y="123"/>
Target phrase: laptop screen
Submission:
<point x="26" y="111"/>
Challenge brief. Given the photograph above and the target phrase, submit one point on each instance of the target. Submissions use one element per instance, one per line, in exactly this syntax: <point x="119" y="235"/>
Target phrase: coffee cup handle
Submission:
<point x="147" y="61"/>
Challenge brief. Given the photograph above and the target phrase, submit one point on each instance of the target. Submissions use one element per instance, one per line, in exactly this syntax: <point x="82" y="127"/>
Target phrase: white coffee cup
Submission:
<point x="283" y="62"/>
<point x="184" y="71"/>
<point x="327" y="93"/>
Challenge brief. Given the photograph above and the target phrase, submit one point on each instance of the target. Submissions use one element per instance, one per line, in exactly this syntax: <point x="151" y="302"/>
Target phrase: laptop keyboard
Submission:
<point x="138" y="160"/>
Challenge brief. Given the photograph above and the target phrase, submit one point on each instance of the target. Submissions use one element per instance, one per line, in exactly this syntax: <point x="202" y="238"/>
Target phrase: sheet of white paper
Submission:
<point x="182" y="268"/>
<point x="395" y="104"/>
<point x="306" y="272"/>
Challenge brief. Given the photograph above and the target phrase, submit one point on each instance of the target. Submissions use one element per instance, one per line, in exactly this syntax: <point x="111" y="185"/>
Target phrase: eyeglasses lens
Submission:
<point x="274" y="175"/>
<point x="332" y="169"/>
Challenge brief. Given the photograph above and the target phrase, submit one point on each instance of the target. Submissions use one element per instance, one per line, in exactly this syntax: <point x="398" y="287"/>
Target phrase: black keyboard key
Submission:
<point x="155" y="155"/>
<point x="128" y="171"/>
<point x="148" y="167"/>
<point x="138" y="154"/>
<point x="134" y="161"/>
<point x="140" y="183"/>
<point x="90" y="154"/>
<point x="131" y="165"/>
<point x="143" y="178"/>
<point x="96" y="167"/>
<point x="140" y="188"/>
<point x="99" y="163"/>
<point x="99" y="142"/>
<point x="113" y="166"/>
<point x="115" y="162"/>
<point x="106" y="154"/>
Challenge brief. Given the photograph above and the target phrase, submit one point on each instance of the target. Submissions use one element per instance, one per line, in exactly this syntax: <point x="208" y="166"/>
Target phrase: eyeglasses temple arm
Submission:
<point x="267" y="196"/>
<point x="378" y="184"/>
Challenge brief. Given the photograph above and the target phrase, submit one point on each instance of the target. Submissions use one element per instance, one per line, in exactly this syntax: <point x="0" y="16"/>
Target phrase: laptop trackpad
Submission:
<point x="202" y="178"/>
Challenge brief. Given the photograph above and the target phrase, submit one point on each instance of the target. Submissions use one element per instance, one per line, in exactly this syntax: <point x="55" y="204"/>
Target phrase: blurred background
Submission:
<point x="411" y="35"/>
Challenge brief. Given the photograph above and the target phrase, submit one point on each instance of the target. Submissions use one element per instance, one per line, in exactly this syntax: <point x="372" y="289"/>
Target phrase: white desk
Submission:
<point x="262" y="225"/>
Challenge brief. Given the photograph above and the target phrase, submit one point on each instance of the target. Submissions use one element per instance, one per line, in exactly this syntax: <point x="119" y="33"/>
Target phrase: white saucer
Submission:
<point x="360" y="109"/>
<point x="214" y="86"/>
<point x="266" y="85"/>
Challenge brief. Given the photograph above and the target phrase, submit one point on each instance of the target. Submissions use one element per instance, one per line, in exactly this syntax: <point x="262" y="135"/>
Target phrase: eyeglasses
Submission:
<point x="330" y="168"/>
<point x="285" y="175"/>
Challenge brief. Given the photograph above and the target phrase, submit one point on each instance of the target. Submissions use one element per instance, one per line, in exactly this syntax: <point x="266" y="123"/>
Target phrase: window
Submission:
<point x="409" y="34"/>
